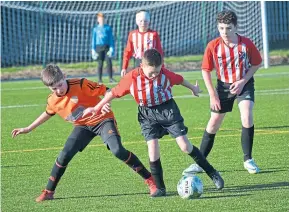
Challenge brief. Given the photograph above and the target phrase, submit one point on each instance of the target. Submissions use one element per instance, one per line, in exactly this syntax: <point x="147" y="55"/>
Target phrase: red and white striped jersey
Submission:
<point x="231" y="63"/>
<point x="148" y="92"/>
<point x="138" y="43"/>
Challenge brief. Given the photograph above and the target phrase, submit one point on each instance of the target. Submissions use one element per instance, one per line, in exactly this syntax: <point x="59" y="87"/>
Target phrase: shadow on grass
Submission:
<point x="16" y="166"/>
<point x="169" y="194"/>
<point x="101" y="196"/>
<point x="174" y="193"/>
<point x="257" y="187"/>
<point x="257" y="128"/>
<point x="263" y="171"/>
<point x="273" y="127"/>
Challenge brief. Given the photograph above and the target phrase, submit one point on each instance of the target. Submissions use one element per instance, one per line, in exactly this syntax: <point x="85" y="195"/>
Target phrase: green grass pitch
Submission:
<point x="96" y="181"/>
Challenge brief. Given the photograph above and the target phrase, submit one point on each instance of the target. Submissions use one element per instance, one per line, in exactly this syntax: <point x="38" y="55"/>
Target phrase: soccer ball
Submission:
<point x="190" y="187"/>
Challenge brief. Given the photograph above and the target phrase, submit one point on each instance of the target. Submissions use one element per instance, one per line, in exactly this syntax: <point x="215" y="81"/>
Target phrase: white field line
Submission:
<point x="259" y="93"/>
<point x="184" y="74"/>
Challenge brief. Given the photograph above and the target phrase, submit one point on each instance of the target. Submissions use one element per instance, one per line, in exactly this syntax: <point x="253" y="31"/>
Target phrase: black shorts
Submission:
<point x="161" y="120"/>
<point x="227" y="99"/>
<point x="82" y="135"/>
<point x="102" y="51"/>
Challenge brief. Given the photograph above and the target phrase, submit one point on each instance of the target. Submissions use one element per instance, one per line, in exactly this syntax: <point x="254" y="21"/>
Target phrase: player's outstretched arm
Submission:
<point x="194" y="88"/>
<point x="93" y="110"/>
<point x="40" y="120"/>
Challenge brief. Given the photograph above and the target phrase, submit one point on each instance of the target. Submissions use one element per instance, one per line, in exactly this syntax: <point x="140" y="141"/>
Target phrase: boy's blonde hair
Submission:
<point x="145" y="13"/>
<point x="51" y="75"/>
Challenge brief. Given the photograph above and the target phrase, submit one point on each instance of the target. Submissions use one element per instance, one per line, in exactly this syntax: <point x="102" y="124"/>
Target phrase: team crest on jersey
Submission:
<point x="159" y="88"/>
<point x="74" y="99"/>
<point x="242" y="55"/>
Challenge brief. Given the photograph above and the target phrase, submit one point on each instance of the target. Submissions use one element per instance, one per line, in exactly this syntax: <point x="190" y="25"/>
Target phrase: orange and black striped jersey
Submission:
<point x="81" y="94"/>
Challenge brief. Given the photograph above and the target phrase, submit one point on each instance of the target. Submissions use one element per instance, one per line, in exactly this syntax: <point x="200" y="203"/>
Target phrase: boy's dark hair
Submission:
<point x="51" y="75"/>
<point x="153" y="57"/>
<point x="227" y="17"/>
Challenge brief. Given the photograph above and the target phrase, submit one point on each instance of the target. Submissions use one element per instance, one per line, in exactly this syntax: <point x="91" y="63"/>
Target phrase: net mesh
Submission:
<point x="56" y="31"/>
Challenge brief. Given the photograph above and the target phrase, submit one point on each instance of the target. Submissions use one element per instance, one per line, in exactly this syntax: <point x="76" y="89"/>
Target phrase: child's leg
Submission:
<point x="116" y="147"/>
<point x="77" y="141"/>
<point x="195" y="153"/>
<point x="199" y="158"/>
<point x="155" y="162"/>
<point x="109" y="66"/>
<point x="210" y="132"/>
<point x="246" y="110"/>
<point x="101" y="57"/>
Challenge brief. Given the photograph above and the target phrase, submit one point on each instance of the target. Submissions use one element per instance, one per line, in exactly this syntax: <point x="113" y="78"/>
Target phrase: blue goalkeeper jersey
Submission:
<point x="102" y="35"/>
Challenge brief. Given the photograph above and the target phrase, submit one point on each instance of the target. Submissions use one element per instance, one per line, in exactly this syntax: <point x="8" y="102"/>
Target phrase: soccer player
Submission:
<point x="158" y="114"/>
<point x="140" y="40"/>
<point x="102" y="46"/>
<point x="68" y="99"/>
<point x="236" y="59"/>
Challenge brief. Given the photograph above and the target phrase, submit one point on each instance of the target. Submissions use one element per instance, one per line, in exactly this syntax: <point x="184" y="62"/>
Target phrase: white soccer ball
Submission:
<point x="190" y="187"/>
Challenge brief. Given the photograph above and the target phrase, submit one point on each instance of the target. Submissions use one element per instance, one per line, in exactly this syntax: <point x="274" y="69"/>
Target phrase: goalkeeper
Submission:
<point x="102" y="46"/>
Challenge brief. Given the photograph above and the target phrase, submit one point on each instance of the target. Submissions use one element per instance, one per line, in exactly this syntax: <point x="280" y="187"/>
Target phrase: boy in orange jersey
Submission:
<point x="69" y="99"/>
<point x="158" y="114"/>
<point x="139" y="40"/>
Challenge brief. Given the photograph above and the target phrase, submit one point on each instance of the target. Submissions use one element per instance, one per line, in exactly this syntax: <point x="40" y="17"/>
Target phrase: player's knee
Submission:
<point x="116" y="148"/>
<point x="247" y="120"/>
<point x="184" y="144"/>
<point x="212" y="128"/>
<point x="64" y="157"/>
<point x="184" y="149"/>
<point x="214" y="124"/>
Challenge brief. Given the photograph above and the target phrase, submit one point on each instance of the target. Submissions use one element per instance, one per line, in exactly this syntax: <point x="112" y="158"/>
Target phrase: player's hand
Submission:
<point x="106" y="108"/>
<point x="18" y="131"/>
<point x="94" y="54"/>
<point x="237" y="87"/>
<point x="215" y="103"/>
<point x="123" y="72"/>
<point x="110" y="53"/>
<point x="196" y="89"/>
<point x="89" y="110"/>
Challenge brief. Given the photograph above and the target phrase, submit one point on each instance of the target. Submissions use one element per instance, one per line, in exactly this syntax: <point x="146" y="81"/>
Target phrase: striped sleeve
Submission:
<point x="175" y="79"/>
<point x="208" y="63"/>
<point x="159" y="45"/>
<point x="127" y="52"/>
<point x="255" y="58"/>
<point x="123" y="87"/>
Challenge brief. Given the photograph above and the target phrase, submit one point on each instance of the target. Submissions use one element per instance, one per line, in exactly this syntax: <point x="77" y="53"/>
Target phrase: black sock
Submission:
<point x="157" y="173"/>
<point x="247" y="142"/>
<point x="134" y="163"/>
<point x="207" y="143"/>
<point x="56" y="174"/>
<point x="202" y="161"/>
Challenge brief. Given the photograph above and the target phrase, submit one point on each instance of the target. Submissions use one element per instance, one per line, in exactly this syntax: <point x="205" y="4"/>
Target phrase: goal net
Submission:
<point x="60" y="31"/>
